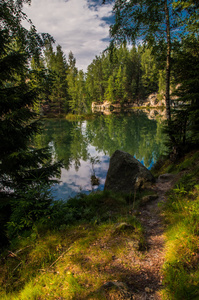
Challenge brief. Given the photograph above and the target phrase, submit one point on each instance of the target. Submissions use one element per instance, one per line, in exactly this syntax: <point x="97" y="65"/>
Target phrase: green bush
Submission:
<point x="95" y="207"/>
<point x="28" y="207"/>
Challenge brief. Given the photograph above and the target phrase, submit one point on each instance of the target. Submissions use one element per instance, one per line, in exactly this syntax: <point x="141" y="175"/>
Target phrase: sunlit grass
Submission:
<point x="91" y="241"/>
<point x="85" y="265"/>
<point x="181" y="268"/>
<point x="72" y="262"/>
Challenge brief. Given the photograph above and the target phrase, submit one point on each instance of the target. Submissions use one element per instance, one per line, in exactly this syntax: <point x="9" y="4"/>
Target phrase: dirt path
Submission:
<point x="148" y="280"/>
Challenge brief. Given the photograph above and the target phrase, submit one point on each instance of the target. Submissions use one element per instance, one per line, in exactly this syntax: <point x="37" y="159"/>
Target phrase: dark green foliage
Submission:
<point x="18" y="123"/>
<point x="57" y="70"/>
<point x="184" y="126"/>
<point x="78" y="103"/>
<point x="96" y="207"/>
<point x="35" y="207"/>
<point x="159" y="24"/>
<point x="121" y="75"/>
<point x="156" y="23"/>
<point x="20" y="165"/>
<point x="29" y="205"/>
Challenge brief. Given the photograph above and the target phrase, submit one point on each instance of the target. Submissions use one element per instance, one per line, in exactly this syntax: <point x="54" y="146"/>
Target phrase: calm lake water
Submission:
<point x="86" y="146"/>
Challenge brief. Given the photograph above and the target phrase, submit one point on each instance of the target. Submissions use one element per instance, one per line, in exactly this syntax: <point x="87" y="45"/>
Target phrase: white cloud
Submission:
<point x="73" y="25"/>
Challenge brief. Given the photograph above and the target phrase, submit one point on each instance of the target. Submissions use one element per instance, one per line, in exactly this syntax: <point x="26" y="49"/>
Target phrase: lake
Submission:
<point x="86" y="146"/>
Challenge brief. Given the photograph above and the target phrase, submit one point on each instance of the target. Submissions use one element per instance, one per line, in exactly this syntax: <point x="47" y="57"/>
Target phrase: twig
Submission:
<point x="17" y="267"/>
<point x="60" y="257"/>
<point x="23" y="249"/>
<point x="12" y="254"/>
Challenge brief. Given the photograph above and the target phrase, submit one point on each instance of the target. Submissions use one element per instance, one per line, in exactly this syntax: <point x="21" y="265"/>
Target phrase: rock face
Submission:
<point x="126" y="174"/>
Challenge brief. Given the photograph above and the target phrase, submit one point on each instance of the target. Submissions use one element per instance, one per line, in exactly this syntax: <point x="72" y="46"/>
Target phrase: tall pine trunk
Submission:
<point x="168" y="59"/>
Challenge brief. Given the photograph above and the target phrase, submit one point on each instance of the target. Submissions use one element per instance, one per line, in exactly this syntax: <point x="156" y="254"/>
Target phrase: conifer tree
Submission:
<point x="21" y="166"/>
<point x="57" y="69"/>
<point x="153" y="21"/>
<point x="72" y="82"/>
<point x="185" y="124"/>
<point x="149" y="72"/>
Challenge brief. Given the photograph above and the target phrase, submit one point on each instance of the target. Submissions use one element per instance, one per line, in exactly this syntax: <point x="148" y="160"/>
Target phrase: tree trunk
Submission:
<point x="168" y="67"/>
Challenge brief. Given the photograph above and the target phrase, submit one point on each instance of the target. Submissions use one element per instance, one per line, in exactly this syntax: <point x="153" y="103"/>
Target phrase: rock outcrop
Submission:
<point x="126" y="174"/>
<point x="153" y="101"/>
<point x="106" y="106"/>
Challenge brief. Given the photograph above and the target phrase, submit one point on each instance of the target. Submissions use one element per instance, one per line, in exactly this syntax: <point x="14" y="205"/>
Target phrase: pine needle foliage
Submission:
<point x="20" y="165"/>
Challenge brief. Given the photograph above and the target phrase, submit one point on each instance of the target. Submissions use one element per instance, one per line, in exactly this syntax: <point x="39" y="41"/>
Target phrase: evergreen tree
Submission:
<point x="185" y="124"/>
<point x="121" y="85"/>
<point x="40" y="81"/>
<point x="110" y="94"/>
<point x="21" y="167"/>
<point x="95" y="80"/>
<point x="72" y="78"/>
<point x="135" y="85"/>
<point x="153" y="21"/>
<point x="81" y="93"/>
<point x="78" y="101"/>
<point x="122" y="75"/>
<point x="149" y="72"/>
<point x="58" y="69"/>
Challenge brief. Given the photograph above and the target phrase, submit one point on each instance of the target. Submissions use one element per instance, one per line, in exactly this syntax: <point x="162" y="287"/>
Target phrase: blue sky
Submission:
<point x="80" y="26"/>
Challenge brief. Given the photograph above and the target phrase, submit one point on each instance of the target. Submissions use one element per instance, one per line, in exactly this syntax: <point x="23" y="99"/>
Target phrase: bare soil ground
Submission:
<point x="144" y="279"/>
<point x="149" y="279"/>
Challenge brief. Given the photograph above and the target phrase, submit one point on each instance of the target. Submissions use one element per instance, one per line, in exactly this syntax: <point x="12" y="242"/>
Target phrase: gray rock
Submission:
<point x="126" y="174"/>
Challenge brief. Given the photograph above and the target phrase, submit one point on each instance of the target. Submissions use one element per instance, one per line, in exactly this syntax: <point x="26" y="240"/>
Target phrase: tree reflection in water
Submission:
<point x="86" y="146"/>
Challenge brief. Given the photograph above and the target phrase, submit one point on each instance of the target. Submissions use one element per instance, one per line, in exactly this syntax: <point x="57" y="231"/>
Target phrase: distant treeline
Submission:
<point x="120" y="74"/>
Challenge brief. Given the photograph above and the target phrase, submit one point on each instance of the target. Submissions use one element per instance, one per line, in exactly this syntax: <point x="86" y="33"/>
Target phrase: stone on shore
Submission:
<point x="126" y="174"/>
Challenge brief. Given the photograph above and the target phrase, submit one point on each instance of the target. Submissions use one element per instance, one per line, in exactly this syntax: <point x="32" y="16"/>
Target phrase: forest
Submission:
<point x="154" y="48"/>
<point x="119" y="75"/>
<point x="164" y="60"/>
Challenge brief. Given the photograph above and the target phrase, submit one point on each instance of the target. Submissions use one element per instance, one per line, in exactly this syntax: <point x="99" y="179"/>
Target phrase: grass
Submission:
<point x="89" y="240"/>
<point x="72" y="261"/>
<point x="73" y="265"/>
<point x="186" y="163"/>
<point x="181" y="211"/>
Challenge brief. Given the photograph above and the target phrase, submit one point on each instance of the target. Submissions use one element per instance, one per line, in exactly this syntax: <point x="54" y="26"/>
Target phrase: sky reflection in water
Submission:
<point x="77" y="143"/>
<point x="74" y="182"/>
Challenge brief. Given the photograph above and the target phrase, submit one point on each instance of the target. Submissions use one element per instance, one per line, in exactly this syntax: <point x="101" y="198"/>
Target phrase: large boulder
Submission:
<point x="126" y="174"/>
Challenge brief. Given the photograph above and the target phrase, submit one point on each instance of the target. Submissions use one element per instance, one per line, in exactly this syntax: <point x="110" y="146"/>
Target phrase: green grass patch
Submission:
<point x="73" y="255"/>
<point x="186" y="163"/>
<point x="181" y="268"/>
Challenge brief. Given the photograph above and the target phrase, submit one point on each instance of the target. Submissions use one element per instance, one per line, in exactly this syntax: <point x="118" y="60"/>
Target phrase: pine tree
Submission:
<point x="110" y="91"/>
<point x="72" y="82"/>
<point x="185" y="124"/>
<point x="57" y="69"/>
<point x="153" y="22"/>
<point x="21" y="167"/>
<point x="121" y="85"/>
<point x="149" y="72"/>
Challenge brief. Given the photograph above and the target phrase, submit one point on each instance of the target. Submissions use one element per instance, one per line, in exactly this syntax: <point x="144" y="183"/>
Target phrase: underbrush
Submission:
<point x="181" y="211"/>
<point x="187" y="163"/>
<point x="84" y="243"/>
